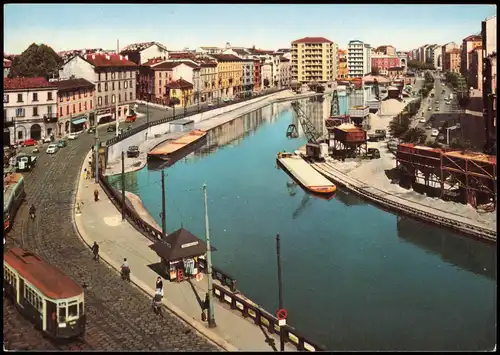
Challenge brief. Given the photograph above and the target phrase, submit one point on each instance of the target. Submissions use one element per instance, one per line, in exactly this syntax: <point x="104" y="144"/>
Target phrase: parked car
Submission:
<point x="91" y="130"/>
<point x="25" y="162"/>
<point x="51" y="149"/>
<point x="133" y="151"/>
<point x="422" y="120"/>
<point x="429" y="109"/>
<point x="131" y="118"/>
<point x="373" y="153"/>
<point x="29" y="143"/>
<point x="428" y="127"/>
<point x="72" y="136"/>
<point x="62" y="143"/>
<point x="434" y="133"/>
<point x="111" y="128"/>
<point x="47" y="140"/>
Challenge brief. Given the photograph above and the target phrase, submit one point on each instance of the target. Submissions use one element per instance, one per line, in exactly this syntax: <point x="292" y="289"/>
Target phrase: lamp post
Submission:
<point x="211" y="317"/>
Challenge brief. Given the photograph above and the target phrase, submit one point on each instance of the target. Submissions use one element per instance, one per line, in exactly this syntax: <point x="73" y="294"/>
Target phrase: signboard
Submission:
<point x="281" y="314"/>
<point x="104" y="112"/>
<point x="281" y="322"/>
<point x="187" y="245"/>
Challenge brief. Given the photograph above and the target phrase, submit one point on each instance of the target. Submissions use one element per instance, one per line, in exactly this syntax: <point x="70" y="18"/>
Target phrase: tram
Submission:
<point x="44" y="294"/>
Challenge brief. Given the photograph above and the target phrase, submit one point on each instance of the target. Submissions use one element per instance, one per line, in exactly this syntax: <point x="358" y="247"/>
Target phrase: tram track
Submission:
<point x="118" y="315"/>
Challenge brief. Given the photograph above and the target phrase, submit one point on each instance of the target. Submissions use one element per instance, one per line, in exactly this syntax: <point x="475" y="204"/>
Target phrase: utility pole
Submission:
<point x="163" y="212"/>
<point x="211" y="317"/>
<point x="280" y="291"/>
<point x="116" y="119"/>
<point x="123" y="185"/>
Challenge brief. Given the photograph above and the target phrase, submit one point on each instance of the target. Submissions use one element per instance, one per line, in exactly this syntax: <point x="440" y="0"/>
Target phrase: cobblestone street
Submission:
<point x="119" y="316"/>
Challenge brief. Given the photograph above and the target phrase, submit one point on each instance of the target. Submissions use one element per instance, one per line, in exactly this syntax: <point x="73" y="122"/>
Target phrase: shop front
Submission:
<point x="180" y="254"/>
<point x="104" y="116"/>
<point x="79" y="124"/>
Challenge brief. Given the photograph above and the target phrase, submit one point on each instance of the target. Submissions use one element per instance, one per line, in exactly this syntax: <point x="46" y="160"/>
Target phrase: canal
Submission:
<point x="355" y="277"/>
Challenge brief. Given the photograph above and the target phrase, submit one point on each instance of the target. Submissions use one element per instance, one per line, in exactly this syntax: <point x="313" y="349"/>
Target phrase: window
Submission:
<point x="74" y="108"/>
<point x="74" y="95"/>
<point x="113" y="76"/>
<point x="105" y="86"/>
<point x="79" y="107"/>
<point x="130" y="84"/>
<point x="106" y="76"/>
<point x="35" y="96"/>
<point x="67" y="96"/>
<point x="119" y="85"/>
<point x="99" y="87"/>
<point x="62" y="312"/>
<point x="49" y="96"/>
<point x="33" y="298"/>
<point x="119" y="75"/>
<point x="125" y="99"/>
<point x="91" y="104"/>
<point x="119" y="97"/>
<point x="113" y="99"/>
<point x="5" y="98"/>
<point x="85" y="92"/>
<point x="19" y="112"/>
<point x="159" y="81"/>
<point x="99" y="77"/>
<point x="67" y="109"/>
<point x="125" y="75"/>
<point x="35" y="111"/>
<point x="113" y="85"/>
<point x="60" y="111"/>
<point x="79" y="94"/>
<point x="125" y="84"/>
<point x="20" y="135"/>
<point x="99" y="101"/>
<point x="73" y="311"/>
<point x="19" y="97"/>
<point x="106" y="100"/>
<point x="131" y="96"/>
<point x="85" y="105"/>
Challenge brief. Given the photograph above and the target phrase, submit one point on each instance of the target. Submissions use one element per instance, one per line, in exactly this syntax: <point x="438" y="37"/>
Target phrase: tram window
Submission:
<point x="73" y="311"/>
<point x="81" y="308"/>
<point x="62" y="313"/>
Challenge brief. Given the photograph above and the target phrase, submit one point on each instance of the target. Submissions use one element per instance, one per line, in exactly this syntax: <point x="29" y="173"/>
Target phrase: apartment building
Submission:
<point x="444" y="57"/>
<point x="384" y="62"/>
<point x="267" y="73"/>
<point x="468" y="44"/>
<point x="75" y="105"/>
<point x="475" y="72"/>
<point x="247" y="77"/>
<point x="30" y="109"/>
<point x="208" y="80"/>
<point x="313" y="59"/>
<point x="229" y="74"/>
<point x="342" y="70"/>
<point x="359" y="61"/>
<point x="257" y="77"/>
<point x="453" y="60"/>
<point x="114" y="77"/>
<point x="284" y="72"/>
<point x="385" y="50"/>
<point x="140" y="53"/>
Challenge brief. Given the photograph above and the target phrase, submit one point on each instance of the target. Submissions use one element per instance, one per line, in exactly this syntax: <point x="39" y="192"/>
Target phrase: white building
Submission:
<point x="30" y="109"/>
<point x="140" y="53"/>
<point x="189" y="71"/>
<point x="248" y="77"/>
<point x="266" y="69"/>
<point x="285" y="72"/>
<point x="114" y="77"/>
<point x="359" y="61"/>
<point x="209" y="50"/>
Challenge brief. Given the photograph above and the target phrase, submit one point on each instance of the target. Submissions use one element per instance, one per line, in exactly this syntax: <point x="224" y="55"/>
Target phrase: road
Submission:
<point x="119" y="316"/>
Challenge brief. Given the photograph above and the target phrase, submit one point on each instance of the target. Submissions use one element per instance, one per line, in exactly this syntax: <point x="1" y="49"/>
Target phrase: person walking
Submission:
<point x="85" y="174"/>
<point x="95" y="250"/>
<point x="159" y="286"/>
<point x="96" y="195"/>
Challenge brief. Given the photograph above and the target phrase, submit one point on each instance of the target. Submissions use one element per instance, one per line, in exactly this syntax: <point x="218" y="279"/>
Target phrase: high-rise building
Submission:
<point x="313" y="59"/>
<point x="468" y="45"/>
<point x="445" y="63"/>
<point x="359" y="61"/>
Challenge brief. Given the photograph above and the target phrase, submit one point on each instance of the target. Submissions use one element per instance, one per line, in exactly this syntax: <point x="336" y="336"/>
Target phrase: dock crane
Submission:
<point x="334" y="120"/>
<point x="310" y="131"/>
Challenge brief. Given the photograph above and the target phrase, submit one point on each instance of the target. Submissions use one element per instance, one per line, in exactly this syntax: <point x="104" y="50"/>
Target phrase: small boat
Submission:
<point x="179" y="148"/>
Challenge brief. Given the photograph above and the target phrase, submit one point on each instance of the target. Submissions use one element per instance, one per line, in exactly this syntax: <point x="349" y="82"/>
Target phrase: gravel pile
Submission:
<point x="391" y="107"/>
<point x="377" y="122"/>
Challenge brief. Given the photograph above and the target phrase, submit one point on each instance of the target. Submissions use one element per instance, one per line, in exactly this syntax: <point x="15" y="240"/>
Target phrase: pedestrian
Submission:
<point x="90" y="160"/>
<point x="96" y="195"/>
<point x="95" y="250"/>
<point x="159" y="286"/>
<point x="85" y="174"/>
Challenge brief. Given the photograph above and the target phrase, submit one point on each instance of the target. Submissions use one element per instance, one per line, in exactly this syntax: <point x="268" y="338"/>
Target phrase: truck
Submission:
<point x="24" y="162"/>
<point x="378" y="135"/>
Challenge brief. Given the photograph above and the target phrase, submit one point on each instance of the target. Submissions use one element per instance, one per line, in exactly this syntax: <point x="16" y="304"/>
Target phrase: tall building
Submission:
<point x="476" y="68"/>
<point x="453" y="60"/>
<point x="342" y="70"/>
<point x="444" y="57"/>
<point x="359" y="61"/>
<point x="313" y="59"/>
<point x="385" y="50"/>
<point x="468" y="45"/>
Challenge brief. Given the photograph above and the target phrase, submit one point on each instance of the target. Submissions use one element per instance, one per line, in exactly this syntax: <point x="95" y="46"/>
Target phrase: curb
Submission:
<point x="207" y="333"/>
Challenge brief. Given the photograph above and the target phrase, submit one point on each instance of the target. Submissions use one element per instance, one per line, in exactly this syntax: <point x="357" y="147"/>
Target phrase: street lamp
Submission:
<point x="211" y="316"/>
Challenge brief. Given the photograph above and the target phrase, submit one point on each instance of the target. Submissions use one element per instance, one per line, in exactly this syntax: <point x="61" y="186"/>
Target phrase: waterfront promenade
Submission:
<point x="101" y="221"/>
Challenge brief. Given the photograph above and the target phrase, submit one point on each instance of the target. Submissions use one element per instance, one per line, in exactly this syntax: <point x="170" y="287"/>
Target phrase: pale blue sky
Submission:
<point x="74" y="26"/>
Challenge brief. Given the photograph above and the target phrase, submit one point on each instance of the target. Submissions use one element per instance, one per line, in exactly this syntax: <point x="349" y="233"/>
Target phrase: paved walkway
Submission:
<point x="101" y="221"/>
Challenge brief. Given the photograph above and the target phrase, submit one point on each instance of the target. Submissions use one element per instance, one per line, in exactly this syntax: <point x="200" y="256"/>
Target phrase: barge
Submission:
<point x="167" y="153"/>
<point x="305" y="175"/>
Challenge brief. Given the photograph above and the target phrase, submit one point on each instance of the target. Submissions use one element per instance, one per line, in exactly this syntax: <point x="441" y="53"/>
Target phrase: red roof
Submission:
<point x="312" y="40"/>
<point x="7" y="63"/>
<point x="170" y="65"/>
<point x="20" y="83"/>
<point x="179" y="84"/>
<point x="226" y="57"/>
<point x="115" y="60"/>
<point x="48" y="279"/>
<point x="181" y="55"/>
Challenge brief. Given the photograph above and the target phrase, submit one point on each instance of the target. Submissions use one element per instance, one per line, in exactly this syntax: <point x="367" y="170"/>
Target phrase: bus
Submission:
<point x="13" y="197"/>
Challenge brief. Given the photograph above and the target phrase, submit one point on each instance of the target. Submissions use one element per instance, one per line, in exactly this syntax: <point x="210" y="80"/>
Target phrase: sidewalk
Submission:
<point x="101" y="221"/>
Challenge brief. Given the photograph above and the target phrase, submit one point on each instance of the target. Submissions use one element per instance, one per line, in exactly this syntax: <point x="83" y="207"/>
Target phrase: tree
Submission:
<point x="295" y="85"/>
<point x="266" y="82"/>
<point x="313" y="85"/>
<point x="36" y="61"/>
<point x="415" y="135"/>
<point x="461" y="143"/>
<point x="375" y="71"/>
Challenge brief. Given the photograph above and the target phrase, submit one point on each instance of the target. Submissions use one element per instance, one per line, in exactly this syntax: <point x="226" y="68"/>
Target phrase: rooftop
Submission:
<point x="109" y="60"/>
<point x="472" y="38"/>
<point x="70" y="84"/>
<point x="312" y="40"/>
<point x="166" y="65"/>
<point x="180" y="244"/>
<point x="179" y="84"/>
<point x="139" y="47"/>
<point x="226" y="57"/>
<point x="20" y="83"/>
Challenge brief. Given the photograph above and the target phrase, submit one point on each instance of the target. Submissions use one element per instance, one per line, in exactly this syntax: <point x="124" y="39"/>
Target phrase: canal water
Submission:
<point x="355" y="277"/>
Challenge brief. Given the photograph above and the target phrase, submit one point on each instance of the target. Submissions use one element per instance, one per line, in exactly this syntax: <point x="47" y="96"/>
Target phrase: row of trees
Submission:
<point x="36" y="61"/>
<point x="416" y="64"/>
<point x="459" y="83"/>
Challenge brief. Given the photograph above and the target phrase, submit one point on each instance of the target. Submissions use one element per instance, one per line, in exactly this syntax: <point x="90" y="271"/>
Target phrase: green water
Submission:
<point x="354" y="276"/>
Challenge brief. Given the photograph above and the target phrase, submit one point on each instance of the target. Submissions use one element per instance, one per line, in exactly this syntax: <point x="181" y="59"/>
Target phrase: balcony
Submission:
<point x="50" y="118"/>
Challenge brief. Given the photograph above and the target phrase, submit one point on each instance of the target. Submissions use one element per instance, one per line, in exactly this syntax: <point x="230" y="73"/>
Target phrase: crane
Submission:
<point x="310" y="131"/>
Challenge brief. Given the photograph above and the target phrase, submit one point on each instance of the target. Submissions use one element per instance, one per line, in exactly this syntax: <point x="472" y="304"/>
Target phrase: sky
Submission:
<point x="267" y="26"/>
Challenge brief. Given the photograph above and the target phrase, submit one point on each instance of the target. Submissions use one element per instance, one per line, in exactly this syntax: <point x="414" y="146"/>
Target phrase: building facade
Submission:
<point x="444" y="57"/>
<point x="476" y="68"/>
<point x="182" y="90"/>
<point x="384" y="62"/>
<point x="342" y="70"/>
<point x="468" y="45"/>
<point x="75" y="105"/>
<point x="453" y="60"/>
<point x="208" y="80"/>
<point x="229" y="74"/>
<point x="257" y="77"/>
<point x="284" y="72"/>
<point x="313" y="59"/>
<point x="30" y="109"/>
<point x="385" y="50"/>
<point x="140" y="53"/>
<point x="247" y="77"/>
<point x="267" y="73"/>
<point x="358" y="59"/>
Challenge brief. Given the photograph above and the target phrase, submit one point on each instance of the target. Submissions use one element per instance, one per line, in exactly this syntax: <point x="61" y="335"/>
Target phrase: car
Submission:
<point x="210" y="104"/>
<point x="62" y="143"/>
<point x="91" y="130"/>
<point x="72" y="136"/>
<point x="133" y="151"/>
<point x="52" y="148"/>
<point x="428" y="127"/>
<point x="24" y="162"/>
<point x="448" y="102"/>
<point x="457" y="125"/>
<point x="47" y="140"/>
<point x="429" y="109"/>
<point x="422" y="120"/>
<point x="373" y="153"/>
<point x="436" y="109"/>
<point x="131" y="118"/>
<point x="111" y="128"/>
<point x="434" y="133"/>
<point x="29" y="142"/>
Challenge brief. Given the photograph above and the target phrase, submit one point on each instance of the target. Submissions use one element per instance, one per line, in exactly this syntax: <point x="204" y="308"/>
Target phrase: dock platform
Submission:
<point x="308" y="177"/>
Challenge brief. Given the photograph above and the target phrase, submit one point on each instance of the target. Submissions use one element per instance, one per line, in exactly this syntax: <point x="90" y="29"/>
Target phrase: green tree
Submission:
<point x="36" y="61"/>
<point x="414" y="135"/>
<point x="461" y="143"/>
<point x="173" y="101"/>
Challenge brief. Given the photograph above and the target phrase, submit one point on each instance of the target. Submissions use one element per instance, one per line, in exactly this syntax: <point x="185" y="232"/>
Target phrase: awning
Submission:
<point x="79" y="120"/>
